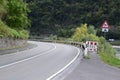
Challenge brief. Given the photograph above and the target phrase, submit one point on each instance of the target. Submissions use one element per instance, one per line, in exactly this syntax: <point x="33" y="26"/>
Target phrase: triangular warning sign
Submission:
<point x="105" y="25"/>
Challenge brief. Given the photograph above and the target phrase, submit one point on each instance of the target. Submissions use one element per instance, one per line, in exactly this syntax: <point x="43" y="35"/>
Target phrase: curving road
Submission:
<point x="39" y="63"/>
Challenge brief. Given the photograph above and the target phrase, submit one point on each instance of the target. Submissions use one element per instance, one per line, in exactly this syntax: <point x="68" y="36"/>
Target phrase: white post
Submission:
<point x="85" y="52"/>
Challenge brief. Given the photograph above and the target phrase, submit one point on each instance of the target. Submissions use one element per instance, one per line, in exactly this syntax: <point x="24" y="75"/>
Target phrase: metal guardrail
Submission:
<point x="77" y="44"/>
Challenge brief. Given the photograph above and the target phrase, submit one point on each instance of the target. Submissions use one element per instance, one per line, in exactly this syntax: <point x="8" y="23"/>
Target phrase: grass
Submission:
<point x="108" y="55"/>
<point x="110" y="59"/>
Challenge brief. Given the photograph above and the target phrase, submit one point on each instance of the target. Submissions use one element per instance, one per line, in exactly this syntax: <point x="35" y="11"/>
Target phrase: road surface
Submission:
<point x="38" y="63"/>
<point x="94" y="69"/>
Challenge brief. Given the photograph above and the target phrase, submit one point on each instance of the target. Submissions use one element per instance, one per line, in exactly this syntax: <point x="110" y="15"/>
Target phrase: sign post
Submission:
<point x="105" y="28"/>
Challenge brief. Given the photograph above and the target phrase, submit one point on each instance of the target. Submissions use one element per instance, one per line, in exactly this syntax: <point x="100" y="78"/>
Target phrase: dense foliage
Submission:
<point x="48" y="16"/>
<point x="107" y="53"/>
<point x="85" y="33"/>
<point x="13" y="19"/>
<point x="17" y="14"/>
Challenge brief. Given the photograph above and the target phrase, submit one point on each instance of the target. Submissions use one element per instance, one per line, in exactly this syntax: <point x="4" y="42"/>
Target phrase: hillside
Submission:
<point x="49" y="16"/>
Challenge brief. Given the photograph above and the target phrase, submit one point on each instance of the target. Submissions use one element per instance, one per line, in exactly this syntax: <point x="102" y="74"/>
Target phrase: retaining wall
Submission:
<point x="7" y="43"/>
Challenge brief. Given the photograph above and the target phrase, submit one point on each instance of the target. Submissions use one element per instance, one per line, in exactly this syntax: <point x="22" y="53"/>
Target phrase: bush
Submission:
<point x="24" y="34"/>
<point x="53" y="37"/>
<point x="5" y="31"/>
<point x="108" y="53"/>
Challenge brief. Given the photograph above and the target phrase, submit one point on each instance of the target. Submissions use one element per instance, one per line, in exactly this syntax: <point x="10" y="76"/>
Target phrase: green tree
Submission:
<point x="3" y="9"/>
<point x="80" y="33"/>
<point x="85" y="33"/>
<point x="13" y="19"/>
<point x="91" y="30"/>
<point x="17" y="14"/>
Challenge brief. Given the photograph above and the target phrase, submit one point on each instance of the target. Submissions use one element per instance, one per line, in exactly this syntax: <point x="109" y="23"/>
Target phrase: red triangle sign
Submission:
<point x="105" y="25"/>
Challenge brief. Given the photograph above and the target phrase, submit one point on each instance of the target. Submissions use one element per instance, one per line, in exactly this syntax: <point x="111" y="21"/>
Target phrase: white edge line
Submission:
<point x="27" y="58"/>
<point x="61" y="70"/>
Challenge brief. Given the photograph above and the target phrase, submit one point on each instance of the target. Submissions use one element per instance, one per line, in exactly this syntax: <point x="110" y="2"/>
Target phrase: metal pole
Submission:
<point x="105" y="41"/>
<point x="105" y="35"/>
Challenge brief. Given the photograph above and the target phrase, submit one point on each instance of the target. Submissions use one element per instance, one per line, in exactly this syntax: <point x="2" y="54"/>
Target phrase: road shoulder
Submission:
<point x="94" y="69"/>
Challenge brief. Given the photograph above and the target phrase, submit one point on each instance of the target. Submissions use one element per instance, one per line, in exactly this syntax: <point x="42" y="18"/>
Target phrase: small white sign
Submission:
<point x="105" y="29"/>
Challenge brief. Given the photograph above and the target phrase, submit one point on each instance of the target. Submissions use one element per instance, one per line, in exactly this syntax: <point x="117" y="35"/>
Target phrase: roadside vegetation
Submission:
<point x="106" y="51"/>
<point x="14" y="24"/>
<point x="108" y="55"/>
<point x="13" y="19"/>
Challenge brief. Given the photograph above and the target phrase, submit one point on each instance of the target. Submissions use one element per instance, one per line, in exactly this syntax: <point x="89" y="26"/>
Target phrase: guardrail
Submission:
<point x="77" y="44"/>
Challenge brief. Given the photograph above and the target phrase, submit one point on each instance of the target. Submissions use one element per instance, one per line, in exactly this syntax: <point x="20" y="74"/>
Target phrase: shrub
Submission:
<point x="53" y="37"/>
<point x="107" y="53"/>
<point x="6" y="31"/>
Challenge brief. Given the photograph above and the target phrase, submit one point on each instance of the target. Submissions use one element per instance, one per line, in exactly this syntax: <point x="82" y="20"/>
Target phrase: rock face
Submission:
<point x="7" y="43"/>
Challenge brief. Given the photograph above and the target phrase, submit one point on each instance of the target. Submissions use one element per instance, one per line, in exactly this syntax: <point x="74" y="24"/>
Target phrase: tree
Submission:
<point x="13" y="19"/>
<point x="85" y="33"/>
<point x="80" y="33"/>
<point x="3" y="9"/>
<point x="91" y="30"/>
<point x="17" y="14"/>
<point x="46" y="14"/>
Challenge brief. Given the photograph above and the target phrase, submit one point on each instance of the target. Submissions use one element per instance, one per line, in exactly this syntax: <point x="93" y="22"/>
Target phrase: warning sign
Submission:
<point x="105" y="25"/>
<point x="92" y="45"/>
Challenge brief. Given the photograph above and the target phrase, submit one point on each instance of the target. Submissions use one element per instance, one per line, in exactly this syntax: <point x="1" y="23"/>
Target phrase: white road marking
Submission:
<point x="27" y="58"/>
<point x="61" y="70"/>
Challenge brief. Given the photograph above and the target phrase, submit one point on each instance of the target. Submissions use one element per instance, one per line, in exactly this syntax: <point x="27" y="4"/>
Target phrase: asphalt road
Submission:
<point x="38" y="63"/>
<point x="94" y="69"/>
